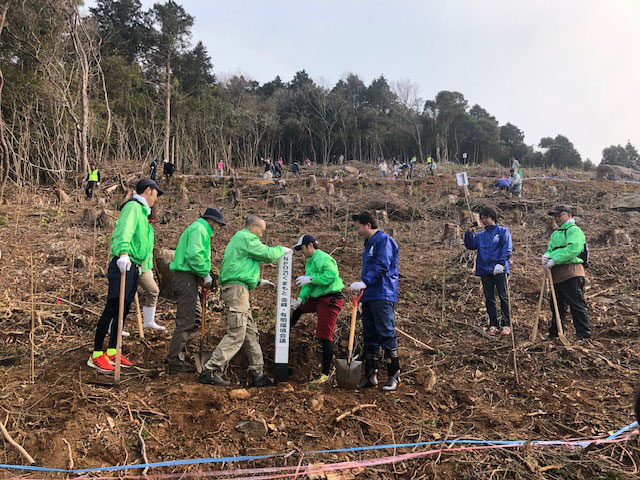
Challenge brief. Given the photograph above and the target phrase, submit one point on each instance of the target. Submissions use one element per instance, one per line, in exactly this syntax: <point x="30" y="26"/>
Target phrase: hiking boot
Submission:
<point x="493" y="331"/>
<point x="180" y="368"/>
<point x="506" y="330"/>
<point x="392" y="382"/>
<point x="260" y="379"/>
<point x="101" y="363"/>
<point x="370" y="378"/>
<point x="123" y="361"/>
<point x="211" y="377"/>
<point x="320" y="380"/>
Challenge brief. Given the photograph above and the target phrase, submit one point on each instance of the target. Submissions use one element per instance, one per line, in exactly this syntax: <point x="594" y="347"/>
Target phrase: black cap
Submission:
<point x="145" y="183"/>
<point x="214" y="214"/>
<point x="561" y="208"/>
<point x="304" y="240"/>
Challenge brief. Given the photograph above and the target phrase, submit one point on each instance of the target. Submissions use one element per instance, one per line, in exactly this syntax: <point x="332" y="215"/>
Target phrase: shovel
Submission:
<point x="202" y="357"/>
<point x="349" y="371"/>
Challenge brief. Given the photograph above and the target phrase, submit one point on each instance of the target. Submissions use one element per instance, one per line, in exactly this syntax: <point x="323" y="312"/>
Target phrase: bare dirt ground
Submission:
<point x="464" y="387"/>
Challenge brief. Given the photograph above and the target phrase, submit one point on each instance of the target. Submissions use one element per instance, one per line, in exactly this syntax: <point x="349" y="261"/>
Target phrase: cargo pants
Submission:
<point x="242" y="333"/>
<point x="188" y="315"/>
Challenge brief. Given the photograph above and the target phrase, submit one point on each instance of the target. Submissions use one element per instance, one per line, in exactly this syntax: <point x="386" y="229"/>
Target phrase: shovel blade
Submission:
<point x="200" y="359"/>
<point x="348" y="375"/>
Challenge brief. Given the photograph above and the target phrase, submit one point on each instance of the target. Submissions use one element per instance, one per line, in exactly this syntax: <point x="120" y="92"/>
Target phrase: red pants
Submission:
<point x="327" y="308"/>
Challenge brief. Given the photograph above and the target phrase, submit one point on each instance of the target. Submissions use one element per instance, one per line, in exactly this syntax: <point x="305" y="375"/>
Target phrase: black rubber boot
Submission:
<point x="295" y="317"/>
<point x="370" y="378"/>
<point x="260" y="379"/>
<point x="393" y="369"/>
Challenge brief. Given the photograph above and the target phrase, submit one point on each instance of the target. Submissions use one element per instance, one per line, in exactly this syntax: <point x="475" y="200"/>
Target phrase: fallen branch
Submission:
<point x="18" y="447"/>
<point x="75" y="305"/>
<point x="143" y="448"/>
<point x="429" y="349"/>
<point x="71" y="464"/>
<point x="355" y="409"/>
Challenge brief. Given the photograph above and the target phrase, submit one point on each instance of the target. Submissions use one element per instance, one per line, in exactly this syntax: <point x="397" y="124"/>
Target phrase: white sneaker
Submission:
<point x="149" y="319"/>
<point x="124" y="332"/>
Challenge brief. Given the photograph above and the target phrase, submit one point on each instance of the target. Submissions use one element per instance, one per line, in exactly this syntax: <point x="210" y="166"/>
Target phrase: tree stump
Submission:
<point x="452" y="199"/>
<point x="312" y="182"/>
<point x="409" y="190"/>
<point x="518" y="218"/>
<point x="106" y="219"/>
<point x="452" y="234"/>
<point x="62" y="196"/>
<point x="331" y="189"/>
<point x="465" y="218"/>
<point x="285" y="201"/>
<point x="382" y="217"/>
<point x="613" y="237"/>
<point x="162" y="260"/>
<point x="551" y="225"/>
<point x="477" y="187"/>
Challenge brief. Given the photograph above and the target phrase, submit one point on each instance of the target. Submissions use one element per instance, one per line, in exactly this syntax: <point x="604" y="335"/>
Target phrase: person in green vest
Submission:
<point x="321" y="293"/>
<point x="191" y="266"/>
<point x="432" y="165"/>
<point x="131" y="243"/>
<point x="239" y="274"/>
<point x="93" y="180"/>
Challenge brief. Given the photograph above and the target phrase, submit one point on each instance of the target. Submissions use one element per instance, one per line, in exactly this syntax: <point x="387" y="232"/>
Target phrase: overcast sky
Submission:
<point x="548" y="66"/>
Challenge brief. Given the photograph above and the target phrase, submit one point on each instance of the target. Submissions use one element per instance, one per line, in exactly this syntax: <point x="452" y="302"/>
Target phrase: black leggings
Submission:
<point x="327" y="355"/>
<point x="109" y="316"/>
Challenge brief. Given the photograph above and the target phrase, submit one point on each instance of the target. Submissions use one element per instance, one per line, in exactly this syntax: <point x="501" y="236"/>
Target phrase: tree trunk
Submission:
<point x="3" y="138"/>
<point x="167" y="114"/>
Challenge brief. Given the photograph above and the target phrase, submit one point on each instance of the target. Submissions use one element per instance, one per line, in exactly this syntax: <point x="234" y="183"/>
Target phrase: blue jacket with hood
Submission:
<point x="494" y="247"/>
<point x="380" y="268"/>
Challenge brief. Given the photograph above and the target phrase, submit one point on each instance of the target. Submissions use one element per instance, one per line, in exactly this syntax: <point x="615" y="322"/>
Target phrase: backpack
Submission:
<point x="584" y="254"/>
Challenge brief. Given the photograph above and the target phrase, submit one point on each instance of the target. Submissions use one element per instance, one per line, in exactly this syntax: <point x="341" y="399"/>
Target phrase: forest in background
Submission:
<point x="124" y="84"/>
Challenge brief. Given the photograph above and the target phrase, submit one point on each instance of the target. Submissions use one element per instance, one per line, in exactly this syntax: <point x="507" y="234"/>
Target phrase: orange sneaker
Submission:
<point x="123" y="361"/>
<point x="101" y="363"/>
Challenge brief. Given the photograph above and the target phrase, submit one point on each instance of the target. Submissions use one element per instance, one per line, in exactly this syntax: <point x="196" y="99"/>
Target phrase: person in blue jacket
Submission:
<point x="379" y="280"/>
<point x="492" y="266"/>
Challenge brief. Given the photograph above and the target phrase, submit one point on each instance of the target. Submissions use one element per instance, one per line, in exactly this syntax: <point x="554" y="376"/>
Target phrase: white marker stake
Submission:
<point x="462" y="178"/>
<point x="282" y="319"/>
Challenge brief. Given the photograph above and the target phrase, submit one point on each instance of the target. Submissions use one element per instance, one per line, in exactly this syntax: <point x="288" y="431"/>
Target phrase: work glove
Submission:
<point x="207" y="281"/>
<point x="98" y="184"/>
<point x="264" y="283"/>
<point x="303" y="280"/>
<point x="544" y="259"/>
<point x="358" y="286"/>
<point x="549" y="264"/>
<point x="124" y="263"/>
<point x="296" y="303"/>
<point x="498" y="269"/>
<point x="287" y="250"/>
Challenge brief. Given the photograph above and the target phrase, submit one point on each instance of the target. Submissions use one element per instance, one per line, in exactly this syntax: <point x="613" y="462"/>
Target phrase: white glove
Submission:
<point x="498" y="269"/>
<point x="207" y="281"/>
<point x="264" y="283"/>
<point x="549" y="264"/>
<point x="124" y="263"/>
<point x="303" y="280"/>
<point x="544" y="259"/>
<point x="296" y="303"/>
<point x="287" y="250"/>
<point x="358" y="286"/>
<point x="98" y="184"/>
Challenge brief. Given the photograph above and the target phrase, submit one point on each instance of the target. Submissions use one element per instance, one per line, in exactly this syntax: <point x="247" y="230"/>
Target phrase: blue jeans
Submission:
<point x="491" y="283"/>
<point x="378" y="326"/>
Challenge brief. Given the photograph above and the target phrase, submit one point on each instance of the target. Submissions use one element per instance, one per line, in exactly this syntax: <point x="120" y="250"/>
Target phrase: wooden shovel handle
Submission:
<point x="123" y="281"/>
<point x="203" y="294"/>
<point x="352" y="329"/>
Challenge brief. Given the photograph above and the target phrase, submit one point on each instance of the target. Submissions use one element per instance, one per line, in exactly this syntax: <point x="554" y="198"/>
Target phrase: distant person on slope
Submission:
<point x="494" y="247"/>
<point x="93" y="180"/>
